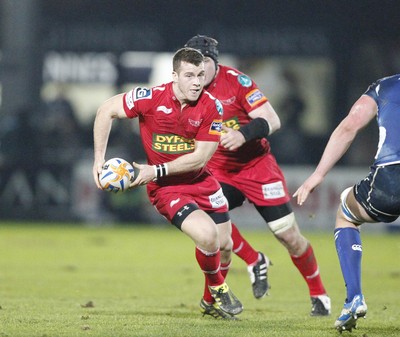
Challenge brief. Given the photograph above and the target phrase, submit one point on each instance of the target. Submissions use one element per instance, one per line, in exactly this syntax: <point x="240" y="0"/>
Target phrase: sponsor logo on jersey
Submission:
<point x="129" y="100"/>
<point x="173" y="202"/>
<point x="220" y="109"/>
<point x="356" y="247"/>
<point x="232" y="123"/>
<point x="170" y="143"/>
<point x="232" y="72"/>
<point x="245" y="80"/>
<point x="142" y="93"/>
<point x="216" y="127"/>
<point x="182" y="210"/>
<point x="217" y="200"/>
<point x="164" y="109"/>
<point x="255" y="97"/>
<point x="159" y="88"/>
<point x="273" y="190"/>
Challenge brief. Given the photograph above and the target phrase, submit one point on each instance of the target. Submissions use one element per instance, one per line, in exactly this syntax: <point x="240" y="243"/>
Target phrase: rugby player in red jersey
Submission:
<point x="180" y="127"/>
<point x="246" y="169"/>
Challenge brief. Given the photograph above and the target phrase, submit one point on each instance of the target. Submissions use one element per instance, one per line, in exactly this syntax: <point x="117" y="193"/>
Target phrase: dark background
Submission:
<point x="246" y="28"/>
<point x="360" y="37"/>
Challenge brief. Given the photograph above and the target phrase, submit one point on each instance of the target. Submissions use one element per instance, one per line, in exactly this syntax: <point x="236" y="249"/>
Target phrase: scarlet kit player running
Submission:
<point x="246" y="169"/>
<point x="180" y="127"/>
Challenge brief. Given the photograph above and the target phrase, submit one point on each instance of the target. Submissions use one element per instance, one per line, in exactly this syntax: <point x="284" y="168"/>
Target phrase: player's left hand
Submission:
<point x="144" y="176"/>
<point x="231" y="139"/>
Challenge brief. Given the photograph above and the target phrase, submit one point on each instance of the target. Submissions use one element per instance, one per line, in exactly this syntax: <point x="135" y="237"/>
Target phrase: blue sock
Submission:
<point x="349" y="251"/>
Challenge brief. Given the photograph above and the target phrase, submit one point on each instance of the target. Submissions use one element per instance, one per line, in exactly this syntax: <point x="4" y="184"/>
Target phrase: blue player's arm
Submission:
<point x="361" y="113"/>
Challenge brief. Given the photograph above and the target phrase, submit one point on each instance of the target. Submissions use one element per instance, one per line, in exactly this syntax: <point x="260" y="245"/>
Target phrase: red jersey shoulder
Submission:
<point x="209" y="100"/>
<point x="244" y="84"/>
<point x="236" y="77"/>
<point x="140" y="99"/>
<point x="217" y="111"/>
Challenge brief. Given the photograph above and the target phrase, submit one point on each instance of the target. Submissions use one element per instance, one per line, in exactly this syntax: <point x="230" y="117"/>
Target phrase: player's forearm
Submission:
<point x="101" y="133"/>
<point x="267" y="112"/>
<point x="337" y="146"/>
<point x="188" y="162"/>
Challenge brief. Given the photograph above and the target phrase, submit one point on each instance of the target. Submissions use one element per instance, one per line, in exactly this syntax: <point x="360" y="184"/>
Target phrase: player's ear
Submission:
<point x="175" y="76"/>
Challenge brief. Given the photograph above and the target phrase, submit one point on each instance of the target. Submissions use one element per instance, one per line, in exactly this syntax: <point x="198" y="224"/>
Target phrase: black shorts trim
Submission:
<point x="272" y="213"/>
<point x="219" y="217"/>
<point x="269" y="213"/>
<point x="182" y="214"/>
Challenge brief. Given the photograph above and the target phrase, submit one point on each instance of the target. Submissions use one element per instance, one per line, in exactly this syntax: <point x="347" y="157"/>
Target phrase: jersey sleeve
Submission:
<point x="134" y="99"/>
<point x="372" y="91"/>
<point x="249" y="94"/>
<point x="211" y="125"/>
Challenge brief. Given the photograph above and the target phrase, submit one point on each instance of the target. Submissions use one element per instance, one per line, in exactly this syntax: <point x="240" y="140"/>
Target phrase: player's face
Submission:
<point x="209" y="67"/>
<point x="189" y="81"/>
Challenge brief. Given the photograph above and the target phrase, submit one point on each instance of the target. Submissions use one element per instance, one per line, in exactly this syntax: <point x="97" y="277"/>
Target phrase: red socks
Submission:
<point x="210" y="265"/>
<point x="242" y="248"/>
<point x="308" y="267"/>
<point x="306" y="263"/>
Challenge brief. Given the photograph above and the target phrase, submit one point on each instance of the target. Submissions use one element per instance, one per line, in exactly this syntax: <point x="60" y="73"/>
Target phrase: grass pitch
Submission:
<point x="59" y="280"/>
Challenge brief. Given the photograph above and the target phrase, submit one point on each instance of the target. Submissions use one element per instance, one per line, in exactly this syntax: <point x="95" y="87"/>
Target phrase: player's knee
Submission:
<point x="225" y="241"/>
<point x="282" y="224"/>
<point x="226" y="247"/>
<point x="345" y="210"/>
<point x="205" y="237"/>
<point x="288" y="233"/>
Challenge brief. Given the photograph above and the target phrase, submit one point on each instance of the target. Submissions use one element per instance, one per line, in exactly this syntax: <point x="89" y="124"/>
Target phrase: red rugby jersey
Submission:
<point x="167" y="131"/>
<point x="239" y="95"/>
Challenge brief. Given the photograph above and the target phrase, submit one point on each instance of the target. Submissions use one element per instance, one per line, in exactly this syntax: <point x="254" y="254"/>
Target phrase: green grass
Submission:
<point x="144" y="281"/>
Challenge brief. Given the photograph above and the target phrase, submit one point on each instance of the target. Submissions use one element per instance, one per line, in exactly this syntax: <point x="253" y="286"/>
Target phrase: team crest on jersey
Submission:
<point x="141" y="93"/>
<point x="194" y="123"/>
<point x="220" y="109"/>
<point x="255" y="97"/>
<point x="245" y="80"/>
<point x="170" y="143"/>
<point x="228" y="101"/>
<point x="216" y="127"/>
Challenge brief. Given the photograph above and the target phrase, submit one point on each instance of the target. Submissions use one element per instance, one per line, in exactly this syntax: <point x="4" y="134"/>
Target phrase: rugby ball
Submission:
<point x="116" y="175"/>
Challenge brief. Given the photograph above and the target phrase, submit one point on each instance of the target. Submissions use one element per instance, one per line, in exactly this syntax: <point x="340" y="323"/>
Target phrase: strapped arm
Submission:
<point x="256" y="129"/>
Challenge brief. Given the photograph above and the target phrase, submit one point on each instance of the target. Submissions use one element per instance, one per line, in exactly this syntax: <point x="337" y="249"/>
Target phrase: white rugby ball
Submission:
<point x="116" y="175"/>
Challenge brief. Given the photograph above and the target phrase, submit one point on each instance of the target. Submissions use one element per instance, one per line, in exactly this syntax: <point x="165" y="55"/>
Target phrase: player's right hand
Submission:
<point x="97" y="168"/>
<point x="307" y="187"/>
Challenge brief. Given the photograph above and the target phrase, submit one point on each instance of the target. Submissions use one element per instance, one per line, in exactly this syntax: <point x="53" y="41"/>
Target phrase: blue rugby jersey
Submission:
<point x="386" y="93"/>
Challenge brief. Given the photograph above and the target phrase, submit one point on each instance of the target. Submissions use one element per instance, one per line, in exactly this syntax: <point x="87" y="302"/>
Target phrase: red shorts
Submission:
<point x="262" y="182"/>
<point x="205" y="192"/>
